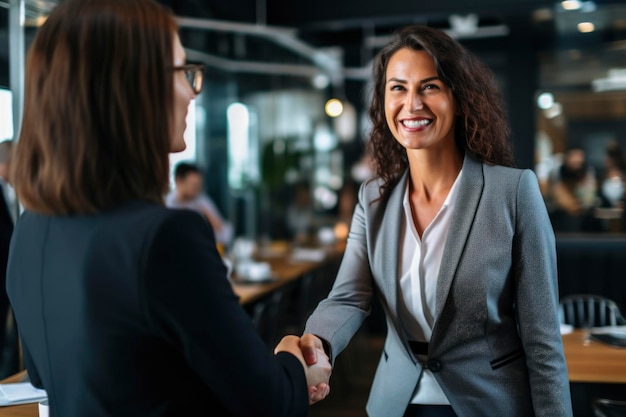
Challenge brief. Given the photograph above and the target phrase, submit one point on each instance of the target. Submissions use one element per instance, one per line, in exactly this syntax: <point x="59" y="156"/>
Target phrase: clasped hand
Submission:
<point x="317" y="368"/>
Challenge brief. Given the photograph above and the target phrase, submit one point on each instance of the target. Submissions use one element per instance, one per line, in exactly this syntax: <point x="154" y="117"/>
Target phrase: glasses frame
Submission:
<point x="194" y="73"/>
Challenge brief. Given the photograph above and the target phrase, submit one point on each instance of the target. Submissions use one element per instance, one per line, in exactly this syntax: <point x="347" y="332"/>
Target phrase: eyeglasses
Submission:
<point x="194" y="73"/>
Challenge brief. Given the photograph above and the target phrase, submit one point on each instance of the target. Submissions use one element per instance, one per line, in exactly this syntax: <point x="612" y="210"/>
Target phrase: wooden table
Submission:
<point x="285" y="270"/>
<point x="24" y="410"/>
<point x="596" y="362"/>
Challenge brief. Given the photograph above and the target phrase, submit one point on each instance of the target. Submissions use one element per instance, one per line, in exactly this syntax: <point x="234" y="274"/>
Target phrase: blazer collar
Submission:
<point x="392" y="222"/>
<point x="470" y="190"/>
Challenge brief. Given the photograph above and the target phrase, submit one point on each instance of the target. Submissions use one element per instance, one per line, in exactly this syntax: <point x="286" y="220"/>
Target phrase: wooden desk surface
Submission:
<point x="282" y="270"/>
<point x="24" y="410"/>
<point x="285" y="270"/>
<point x="596" y="362"/>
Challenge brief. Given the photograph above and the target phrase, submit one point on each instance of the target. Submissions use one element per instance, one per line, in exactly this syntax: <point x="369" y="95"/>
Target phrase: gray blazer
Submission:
<point x="496" y="348"/>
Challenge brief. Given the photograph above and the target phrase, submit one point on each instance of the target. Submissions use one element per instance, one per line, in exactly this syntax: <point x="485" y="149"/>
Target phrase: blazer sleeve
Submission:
<point x="189" y="302"/>
<point x="339" y="316"/>
<point x="537" y="301"/>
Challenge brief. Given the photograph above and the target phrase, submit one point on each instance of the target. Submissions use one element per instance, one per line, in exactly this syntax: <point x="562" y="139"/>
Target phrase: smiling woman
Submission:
<point x="455" y="243"/>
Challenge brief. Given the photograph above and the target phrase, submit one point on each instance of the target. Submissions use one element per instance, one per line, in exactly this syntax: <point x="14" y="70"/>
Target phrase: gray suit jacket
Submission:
<point x="495" y="348"/>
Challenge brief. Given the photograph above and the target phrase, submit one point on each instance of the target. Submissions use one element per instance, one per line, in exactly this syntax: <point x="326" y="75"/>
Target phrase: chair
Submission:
<point x="587" y="310"/>
<point x="269" y="317"/>
<point x="603" y="407"/>
<point x="589" y="263"/>
<point x="314" y="287"/>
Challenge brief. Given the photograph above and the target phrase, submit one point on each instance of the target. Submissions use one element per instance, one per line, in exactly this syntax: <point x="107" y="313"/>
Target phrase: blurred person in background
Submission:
<point x="189" y="193"/>
<point x="454" y="242"/>
<point x="574" y="194"/>
<point x="123" y="305"/>
<point x="611" y="188"/>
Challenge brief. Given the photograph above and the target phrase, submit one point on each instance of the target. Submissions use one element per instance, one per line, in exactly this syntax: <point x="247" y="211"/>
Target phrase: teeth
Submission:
<point x="416" y="123"/>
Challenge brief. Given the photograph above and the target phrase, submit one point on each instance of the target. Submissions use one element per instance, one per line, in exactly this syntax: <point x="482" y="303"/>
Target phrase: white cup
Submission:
<point x="243" y="248"/>
<point x="44" y="408"/>
<point x="253" y="271"/>
<point x="326" y="235"/>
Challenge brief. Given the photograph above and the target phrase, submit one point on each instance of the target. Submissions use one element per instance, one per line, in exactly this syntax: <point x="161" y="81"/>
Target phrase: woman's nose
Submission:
<point x="414" y="102"/>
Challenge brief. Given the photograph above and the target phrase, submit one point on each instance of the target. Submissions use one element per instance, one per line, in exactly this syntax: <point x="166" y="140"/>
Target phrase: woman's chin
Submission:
<point x="178" y="146"/>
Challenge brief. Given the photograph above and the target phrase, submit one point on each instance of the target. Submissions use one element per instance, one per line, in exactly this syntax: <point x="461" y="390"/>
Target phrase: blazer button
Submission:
<point x="434" y="365"/>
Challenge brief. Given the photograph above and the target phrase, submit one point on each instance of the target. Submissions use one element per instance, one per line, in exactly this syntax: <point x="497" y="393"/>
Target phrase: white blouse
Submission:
<point x="419" y="264"/>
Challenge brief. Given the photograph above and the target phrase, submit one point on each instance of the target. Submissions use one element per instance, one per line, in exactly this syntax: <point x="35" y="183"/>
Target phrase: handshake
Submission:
<point x="317" y="369"/>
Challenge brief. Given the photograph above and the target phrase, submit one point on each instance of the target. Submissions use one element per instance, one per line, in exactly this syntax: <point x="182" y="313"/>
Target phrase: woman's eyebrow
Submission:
<point x="425" y="80"/>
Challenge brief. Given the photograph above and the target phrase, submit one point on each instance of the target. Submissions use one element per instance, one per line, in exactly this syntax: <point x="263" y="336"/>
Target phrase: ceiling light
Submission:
<point x="334" y="107"/>
<point x="586" y="27"/>
<point x="545" y="101"/>
<point x="320" y="81"/>
<point x="571" y="4"/>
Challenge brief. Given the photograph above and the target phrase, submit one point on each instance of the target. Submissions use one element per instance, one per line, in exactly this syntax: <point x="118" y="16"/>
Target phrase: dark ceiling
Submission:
<point x="353" y="30"/>
<point x="348" y="23"/>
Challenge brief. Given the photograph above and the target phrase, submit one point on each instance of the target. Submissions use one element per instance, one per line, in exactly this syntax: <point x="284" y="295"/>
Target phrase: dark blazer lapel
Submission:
<point x="388" y="243"/>
<point x="470" y="190"/>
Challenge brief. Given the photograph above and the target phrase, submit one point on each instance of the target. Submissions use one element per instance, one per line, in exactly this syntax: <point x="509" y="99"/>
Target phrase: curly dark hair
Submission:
<point x="481" y="128"/>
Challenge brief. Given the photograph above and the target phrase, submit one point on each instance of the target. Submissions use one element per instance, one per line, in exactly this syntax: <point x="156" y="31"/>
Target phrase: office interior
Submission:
<point x="284" y="111"/>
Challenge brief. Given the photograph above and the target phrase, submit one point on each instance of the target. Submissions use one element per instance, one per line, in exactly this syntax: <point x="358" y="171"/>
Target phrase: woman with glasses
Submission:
<point x="123" y="305"/>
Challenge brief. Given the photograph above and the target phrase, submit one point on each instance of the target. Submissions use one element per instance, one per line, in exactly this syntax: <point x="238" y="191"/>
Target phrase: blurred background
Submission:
<point x="280" y="128"/>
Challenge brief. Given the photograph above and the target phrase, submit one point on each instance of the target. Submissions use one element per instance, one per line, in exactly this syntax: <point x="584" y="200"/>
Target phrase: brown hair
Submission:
<point x="481" y="127"/>
<point x="97" y="107"/>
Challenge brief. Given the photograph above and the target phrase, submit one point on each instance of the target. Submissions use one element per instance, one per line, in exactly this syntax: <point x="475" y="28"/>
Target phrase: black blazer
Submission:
<point x="129" y="313"/>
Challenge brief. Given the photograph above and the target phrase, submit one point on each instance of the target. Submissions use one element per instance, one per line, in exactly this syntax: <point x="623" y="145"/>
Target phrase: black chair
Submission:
<point x="603" y="407"/>
<point x="592" y="264"/>
<point x="10" y="361"/>
<point x="269" y="317"/>
<point x="588" y="310"/>
<point x="314" y="287"/>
